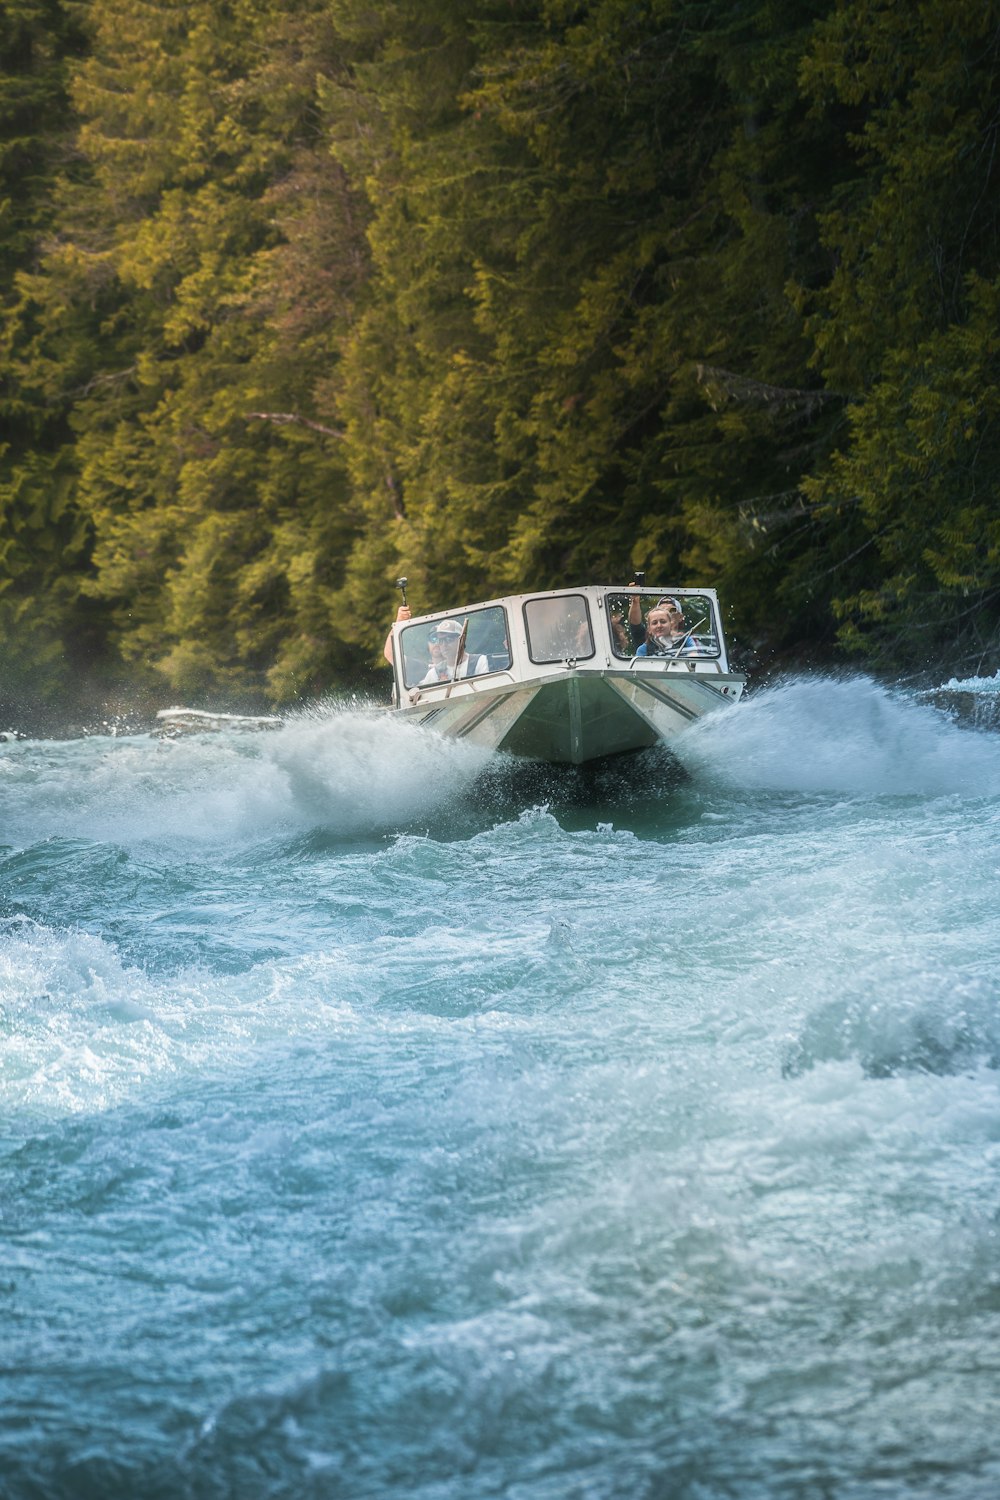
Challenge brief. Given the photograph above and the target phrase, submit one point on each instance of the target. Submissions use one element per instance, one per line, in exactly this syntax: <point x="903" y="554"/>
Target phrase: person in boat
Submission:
<point x="636" y="624"/>
<point x="666" y="631"/>
<point x="631" y="632"/>
<point x="402" y="613"/>
<point x="626" y="637"/>
<point x="443" y="643"/>
<point x="445" y="636"/>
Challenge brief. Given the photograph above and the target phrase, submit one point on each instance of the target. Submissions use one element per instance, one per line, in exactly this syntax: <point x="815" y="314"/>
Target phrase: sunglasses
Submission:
<point x="439" y="640"/>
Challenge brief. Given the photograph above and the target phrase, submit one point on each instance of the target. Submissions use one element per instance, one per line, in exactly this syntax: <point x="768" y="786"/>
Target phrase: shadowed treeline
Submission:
<point x="298" y="295"/>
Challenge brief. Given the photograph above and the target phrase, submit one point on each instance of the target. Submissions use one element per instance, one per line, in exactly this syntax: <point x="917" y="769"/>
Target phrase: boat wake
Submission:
<point x="356" y="774"/>
<point x="850" y="736"/>
<point x="969" y="700"/>
<point x="352" y="773"/>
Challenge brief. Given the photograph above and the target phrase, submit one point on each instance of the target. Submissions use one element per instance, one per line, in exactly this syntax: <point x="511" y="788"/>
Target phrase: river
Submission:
<point x="377" y="1120"/>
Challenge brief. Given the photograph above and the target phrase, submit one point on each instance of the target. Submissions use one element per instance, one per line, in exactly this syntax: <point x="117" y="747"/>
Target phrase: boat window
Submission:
<point x="683" y="625"/>
<point x="559" y="629"/>
<point x="430" y="647"/>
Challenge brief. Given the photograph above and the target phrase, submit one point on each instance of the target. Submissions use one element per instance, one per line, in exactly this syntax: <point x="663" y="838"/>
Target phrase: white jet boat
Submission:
<point x="564" y="676"/>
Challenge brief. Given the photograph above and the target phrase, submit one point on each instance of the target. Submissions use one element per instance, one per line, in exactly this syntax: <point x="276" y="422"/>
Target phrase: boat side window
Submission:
<point x="559" y="629"/>
<point x="683" y="626"/>
<point x="429" y="646"/>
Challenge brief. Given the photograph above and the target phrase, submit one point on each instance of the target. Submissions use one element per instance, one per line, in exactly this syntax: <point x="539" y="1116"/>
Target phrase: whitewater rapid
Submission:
<point x="384" y="1119"/>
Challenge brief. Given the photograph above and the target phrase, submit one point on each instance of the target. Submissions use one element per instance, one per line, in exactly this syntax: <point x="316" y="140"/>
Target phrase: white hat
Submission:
<point x="447" y="627"/>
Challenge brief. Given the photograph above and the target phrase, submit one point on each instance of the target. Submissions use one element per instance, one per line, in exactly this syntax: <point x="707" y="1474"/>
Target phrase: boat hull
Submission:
<point x="578" y="715"/>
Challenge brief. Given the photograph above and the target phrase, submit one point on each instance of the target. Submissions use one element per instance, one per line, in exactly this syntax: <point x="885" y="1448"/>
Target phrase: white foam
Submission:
<point x="851" y="735"/>
<point x="986" y="686"/>
<point x="84" y="1029"/>
<point x="354" y="772"/>
<point x="349" y="772"/>
<point x="80" y="1027"/>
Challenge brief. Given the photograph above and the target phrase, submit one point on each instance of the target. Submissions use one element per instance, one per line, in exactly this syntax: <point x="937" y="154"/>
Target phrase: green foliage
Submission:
<point x="551" y="263"/>
<point x="923" y="466"/>
<point x="298" y="297"/>
<point x="908" y="321"/>
<point x="43" y="538"/>
<point x="175" y="322"/>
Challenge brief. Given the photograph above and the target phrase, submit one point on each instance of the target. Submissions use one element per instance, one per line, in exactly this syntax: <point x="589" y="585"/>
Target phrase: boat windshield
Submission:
<point x="430" y="647"/>
<point x="665" y="625"/>
<point x="559" y="629"/>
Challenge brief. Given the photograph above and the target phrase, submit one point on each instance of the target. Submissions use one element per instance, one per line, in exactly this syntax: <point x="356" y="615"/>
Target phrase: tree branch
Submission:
<point x="745" y="389"/>
<point x="283" y="418"/>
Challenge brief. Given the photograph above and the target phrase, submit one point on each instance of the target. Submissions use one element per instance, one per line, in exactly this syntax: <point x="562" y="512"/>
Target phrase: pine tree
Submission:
<point x="580" y="354"/>
<point x="198" y="342"/>
<point x="907" y="323"/>
<point x="42" y="536"/>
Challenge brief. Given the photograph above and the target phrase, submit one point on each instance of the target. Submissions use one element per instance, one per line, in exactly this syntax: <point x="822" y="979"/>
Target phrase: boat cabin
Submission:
<point x="586" y="628"/>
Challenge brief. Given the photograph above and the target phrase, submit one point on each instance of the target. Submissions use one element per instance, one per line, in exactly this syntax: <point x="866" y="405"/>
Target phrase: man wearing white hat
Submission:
<point x="443" y="643"/>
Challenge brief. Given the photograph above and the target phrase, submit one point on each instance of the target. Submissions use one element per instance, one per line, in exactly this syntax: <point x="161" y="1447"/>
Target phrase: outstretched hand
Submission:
<point x="402" y="613"/>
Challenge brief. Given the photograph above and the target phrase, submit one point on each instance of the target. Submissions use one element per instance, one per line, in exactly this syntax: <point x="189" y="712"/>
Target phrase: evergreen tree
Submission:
<point x="42" y="536"/>
<point x="580" y="354"/>
<point x="298" y="297"/>
<point x="907" y="323"/>
<point x="214" y="489"/>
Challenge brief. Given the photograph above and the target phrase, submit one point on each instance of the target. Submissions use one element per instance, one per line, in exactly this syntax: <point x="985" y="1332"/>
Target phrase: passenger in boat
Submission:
<point x="627" y="636"/>
<point x="442" y="644"/>
<point x="629" y="631"/>
<point x="666" y="631"/>
<point x="636" y="624"/>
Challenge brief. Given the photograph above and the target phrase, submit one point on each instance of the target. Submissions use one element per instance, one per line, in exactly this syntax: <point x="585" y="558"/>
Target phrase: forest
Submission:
<point x="297" y="296"/>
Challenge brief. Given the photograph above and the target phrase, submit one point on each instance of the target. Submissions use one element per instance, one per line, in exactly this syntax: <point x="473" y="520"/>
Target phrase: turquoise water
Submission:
<point x="380" y="1121"/>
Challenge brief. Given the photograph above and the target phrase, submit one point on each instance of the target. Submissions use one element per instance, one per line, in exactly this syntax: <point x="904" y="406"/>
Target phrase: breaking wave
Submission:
<point x="850" y="736"/>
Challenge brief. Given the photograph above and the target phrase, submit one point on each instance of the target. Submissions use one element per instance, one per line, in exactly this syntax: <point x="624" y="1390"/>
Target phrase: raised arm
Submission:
<point x="402" y="613"/>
